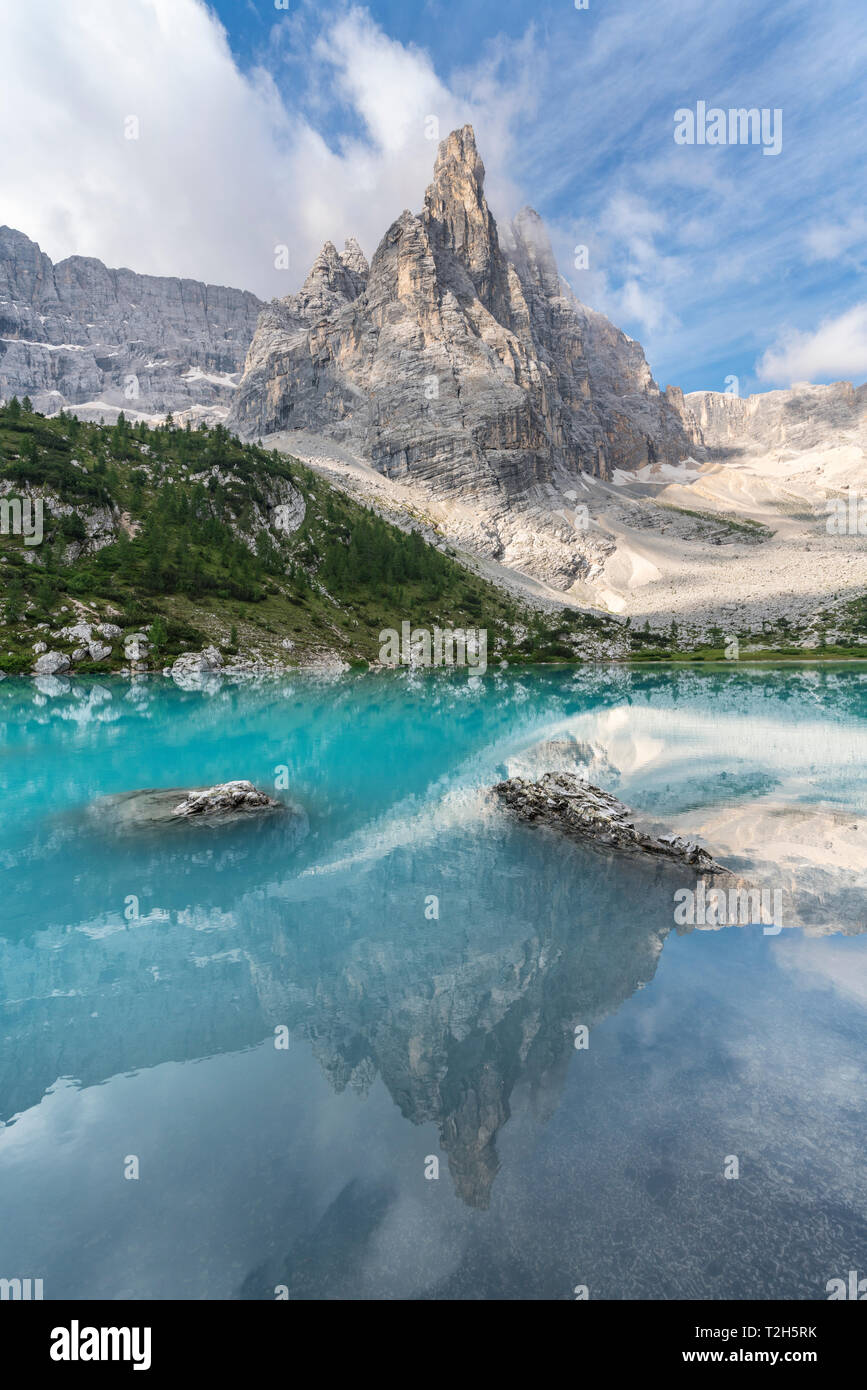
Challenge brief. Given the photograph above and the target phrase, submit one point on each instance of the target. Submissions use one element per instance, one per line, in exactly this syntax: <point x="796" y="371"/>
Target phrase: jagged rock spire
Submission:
<point x="333" y="280"/>
<point x="354" y="258"/>
<point x="460" y="224"/>
<point x="464" y="366"/>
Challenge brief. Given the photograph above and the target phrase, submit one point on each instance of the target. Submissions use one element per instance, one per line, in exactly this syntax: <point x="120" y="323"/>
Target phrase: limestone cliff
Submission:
<point x="79" y="334"/>
<point x="804" y="417"/>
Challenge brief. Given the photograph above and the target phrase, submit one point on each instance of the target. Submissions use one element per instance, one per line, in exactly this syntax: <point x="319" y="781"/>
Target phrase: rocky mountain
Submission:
<point x="457" y="383"/>
<point x="459" y="379"/>
<point x="460" y="359"/>
<point x="79" y="334"/>
<point x="801" y="418"/>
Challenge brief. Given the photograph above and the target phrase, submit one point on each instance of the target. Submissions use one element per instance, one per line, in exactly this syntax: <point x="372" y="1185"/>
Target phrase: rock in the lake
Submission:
<point x="587" y="813"/>
<point x="51" y="664"/>
<point x="226" y="798"/>
<point x="155" y="807"/>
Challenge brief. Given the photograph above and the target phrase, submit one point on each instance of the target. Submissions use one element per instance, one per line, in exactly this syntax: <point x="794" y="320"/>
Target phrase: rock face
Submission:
<point x="802" y="418"/>
<point x="460" y="360"/>
<point x="77" y="333"/>
<point x="595" y="817"/>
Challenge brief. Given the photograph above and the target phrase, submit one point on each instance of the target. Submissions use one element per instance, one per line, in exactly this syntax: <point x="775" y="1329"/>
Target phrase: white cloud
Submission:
<point x="836" y="350"/>
<point x="225" y="168"/>
<point x="833" y="964"/>
<point x="834" y="241"/>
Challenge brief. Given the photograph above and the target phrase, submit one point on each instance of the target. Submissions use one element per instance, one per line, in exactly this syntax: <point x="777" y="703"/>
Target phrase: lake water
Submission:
<point x="423" y="963"/>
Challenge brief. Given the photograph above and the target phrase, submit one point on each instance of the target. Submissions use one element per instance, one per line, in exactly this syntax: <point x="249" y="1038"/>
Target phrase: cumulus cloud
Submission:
<point x="836" y="350"/>
<point x="222" y="167"/>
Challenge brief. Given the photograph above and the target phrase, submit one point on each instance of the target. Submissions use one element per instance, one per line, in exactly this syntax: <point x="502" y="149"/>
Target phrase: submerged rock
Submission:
<point x="587" y="813"/>
<point x="227" y="797"/>
<point x="217" y="805"/>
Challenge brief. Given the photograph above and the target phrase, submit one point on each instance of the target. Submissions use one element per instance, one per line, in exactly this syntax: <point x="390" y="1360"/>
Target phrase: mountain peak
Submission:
<point x="529" y="387"/>
<point x="333" y="280"/>
<point x="458" y="176"/>
<point x="460" y="225"/>
<point x="459" y="148"/>
<point x="353" y="257"/>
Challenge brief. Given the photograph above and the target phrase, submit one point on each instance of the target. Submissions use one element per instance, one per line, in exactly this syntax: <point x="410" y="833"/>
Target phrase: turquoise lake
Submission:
<point x="425" y="960"/>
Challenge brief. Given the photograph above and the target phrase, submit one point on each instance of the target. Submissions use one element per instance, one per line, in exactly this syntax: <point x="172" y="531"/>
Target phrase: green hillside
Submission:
<point x="174" y="531"/>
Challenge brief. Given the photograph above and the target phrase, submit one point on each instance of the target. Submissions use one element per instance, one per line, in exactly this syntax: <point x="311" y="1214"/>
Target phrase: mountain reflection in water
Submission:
<point x="122" y="954"/>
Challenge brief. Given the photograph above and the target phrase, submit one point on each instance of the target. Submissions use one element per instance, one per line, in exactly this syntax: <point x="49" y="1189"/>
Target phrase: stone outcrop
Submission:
<point x="80" y="334"/>
<point x="586" y="813"/>
<point x="460" y="360"/>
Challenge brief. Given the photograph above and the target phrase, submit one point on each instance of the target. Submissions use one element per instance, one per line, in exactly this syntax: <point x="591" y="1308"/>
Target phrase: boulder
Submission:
<point x="136" y="647"/>
<point x="587" y="813"/>
<point x="227" y="797"/>
<point x="51" y="664"/>
<point x="198" y="663"/>
<point x="80" y="633"/>
<point x="154" y="808"/>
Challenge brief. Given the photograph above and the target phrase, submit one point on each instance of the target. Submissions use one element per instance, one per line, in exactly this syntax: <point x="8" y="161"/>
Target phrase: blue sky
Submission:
<point x="263" y="125"/>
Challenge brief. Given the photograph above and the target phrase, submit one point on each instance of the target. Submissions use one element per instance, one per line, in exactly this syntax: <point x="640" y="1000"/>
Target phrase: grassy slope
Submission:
<point x="192" y="555"/>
